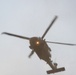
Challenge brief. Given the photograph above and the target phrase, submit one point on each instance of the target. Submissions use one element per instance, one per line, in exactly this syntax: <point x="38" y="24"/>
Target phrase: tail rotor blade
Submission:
<point x="23" y="37"/>
<point x="49" y="27"/>
<point x="61" y="43"/>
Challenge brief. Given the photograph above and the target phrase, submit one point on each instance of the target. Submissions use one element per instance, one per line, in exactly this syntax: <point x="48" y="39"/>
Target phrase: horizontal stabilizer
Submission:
<point x="56" y="70"/>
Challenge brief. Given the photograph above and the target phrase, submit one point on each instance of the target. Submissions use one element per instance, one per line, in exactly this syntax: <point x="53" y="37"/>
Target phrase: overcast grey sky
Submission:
<point x="31" y="18"/>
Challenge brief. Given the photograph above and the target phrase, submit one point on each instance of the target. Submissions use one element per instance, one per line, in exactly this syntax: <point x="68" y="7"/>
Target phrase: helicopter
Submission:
<point x="40" y="47"/>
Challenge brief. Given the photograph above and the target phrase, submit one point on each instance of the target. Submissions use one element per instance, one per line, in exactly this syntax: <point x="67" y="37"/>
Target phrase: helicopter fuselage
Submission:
<point x="41" y="48"/>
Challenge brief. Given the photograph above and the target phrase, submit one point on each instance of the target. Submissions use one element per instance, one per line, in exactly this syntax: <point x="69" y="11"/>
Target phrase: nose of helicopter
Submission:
<point x="34" y="41"/>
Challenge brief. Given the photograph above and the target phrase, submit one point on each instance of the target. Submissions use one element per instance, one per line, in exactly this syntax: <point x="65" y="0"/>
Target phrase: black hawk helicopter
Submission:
<point x="40" y="47"/>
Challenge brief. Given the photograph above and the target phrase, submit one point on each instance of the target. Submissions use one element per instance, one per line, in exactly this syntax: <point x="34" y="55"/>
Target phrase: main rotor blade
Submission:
<point x="16" y="35"/>
<point x="49" y="27"/>
<point x="32" y="52"/>
<point x="61" y="43"/>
